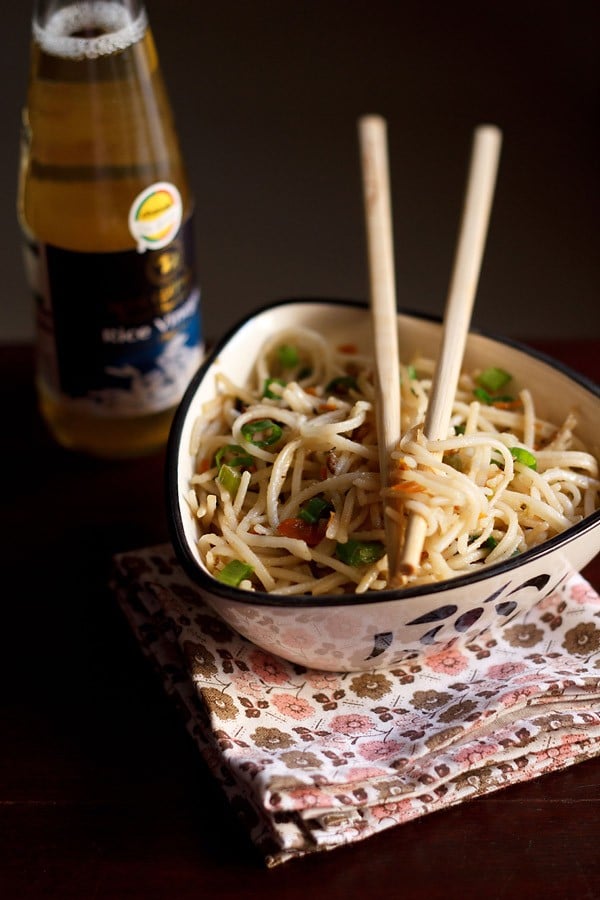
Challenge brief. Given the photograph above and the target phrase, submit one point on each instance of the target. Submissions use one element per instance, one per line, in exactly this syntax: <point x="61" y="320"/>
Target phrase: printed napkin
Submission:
<point x="312" y="760"/>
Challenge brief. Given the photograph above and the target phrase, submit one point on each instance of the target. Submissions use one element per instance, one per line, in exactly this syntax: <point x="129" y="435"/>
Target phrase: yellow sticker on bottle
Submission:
<point x="155" y="216"/>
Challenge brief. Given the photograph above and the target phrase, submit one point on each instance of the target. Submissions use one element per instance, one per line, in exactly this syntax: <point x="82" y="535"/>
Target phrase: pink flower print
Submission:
<point x="293" y="707"/>
<point x="447" y="662"/>
<point x="247" y="683"/>
<point x="583" y="594"/>
<point x="563" y="752"/>
<point x="342" y="626"/>
<point x="352" y="724"/>
<point x="308" y="797"/>
<point x="295" y="638"/>
<point x="268" y="667"/>
<point x="519" y="695"/>
<point x="505" y="671"/>
<point x="322" y="681"/>
<point x="362" y="773"/>
<point x="550" y="602"/>
<point x="379" y="749"/>
<point x="475" y="754"/>
<point x="398" y="811"/>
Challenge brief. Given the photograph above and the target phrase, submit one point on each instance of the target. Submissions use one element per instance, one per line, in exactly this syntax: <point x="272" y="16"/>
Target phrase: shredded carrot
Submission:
<point x="347" y="348"/>
<point x="409" y="487"/>
<point x="309" y="532"/>
<point x="203" y="466"/>
<point x="327" y="407"/>
<point x="508" y="404"/>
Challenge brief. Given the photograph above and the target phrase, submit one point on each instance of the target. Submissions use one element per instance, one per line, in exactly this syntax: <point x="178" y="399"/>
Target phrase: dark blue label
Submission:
<point x="127" y="327"/>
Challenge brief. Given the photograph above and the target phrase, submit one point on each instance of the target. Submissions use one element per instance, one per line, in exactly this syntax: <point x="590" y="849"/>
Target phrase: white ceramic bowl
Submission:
<point x="352" y="632"/>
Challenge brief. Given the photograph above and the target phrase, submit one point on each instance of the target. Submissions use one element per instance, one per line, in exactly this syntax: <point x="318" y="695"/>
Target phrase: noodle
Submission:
<point x="287" y="481"/>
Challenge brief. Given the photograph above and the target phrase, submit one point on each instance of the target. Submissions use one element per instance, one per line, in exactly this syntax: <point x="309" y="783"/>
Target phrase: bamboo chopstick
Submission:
<point x="457" y="315"/>
<point x="382" y="283"/>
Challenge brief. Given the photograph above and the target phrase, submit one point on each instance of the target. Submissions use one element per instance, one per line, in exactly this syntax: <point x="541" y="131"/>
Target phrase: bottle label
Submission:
<point x="155" y="216"/>
<point x="119" y="334"/>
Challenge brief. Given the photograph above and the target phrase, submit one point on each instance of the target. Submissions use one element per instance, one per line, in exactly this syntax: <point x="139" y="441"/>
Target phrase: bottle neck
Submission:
<point x="84" y="29"/>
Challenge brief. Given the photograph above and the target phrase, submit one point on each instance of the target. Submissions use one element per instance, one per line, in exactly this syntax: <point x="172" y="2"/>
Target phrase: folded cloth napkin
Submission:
<point x="312" y="760"/>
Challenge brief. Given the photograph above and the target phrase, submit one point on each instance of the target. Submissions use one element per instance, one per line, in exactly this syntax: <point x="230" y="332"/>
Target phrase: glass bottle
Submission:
<point x="107" y="218"/>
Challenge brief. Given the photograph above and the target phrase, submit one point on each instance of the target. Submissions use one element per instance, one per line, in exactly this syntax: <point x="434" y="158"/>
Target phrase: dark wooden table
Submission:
<point x="102" y="793"/>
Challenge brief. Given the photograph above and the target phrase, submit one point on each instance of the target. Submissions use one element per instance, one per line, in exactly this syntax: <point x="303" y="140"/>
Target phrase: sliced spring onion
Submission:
<point x="267" y="392"/>
<point x="234" y="572"/>
<point x="232" y="455"/>
<point x="230" y="479"/>
<point x="459" y="429"/>
<point x="314" y="509"/>
<point x="262" y="432"/>
<point x="489" y="399"/>
<point x="493" y="379"/>
<point x="524" y="456"/>
<point x="490" y="542"/>
<point x="288" y="356"/>
<point x="412" y="372"/>
<point x="359" y="553"/>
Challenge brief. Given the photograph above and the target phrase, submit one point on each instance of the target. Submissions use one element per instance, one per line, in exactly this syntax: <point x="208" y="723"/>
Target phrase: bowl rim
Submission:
<point x="262" y="598"/>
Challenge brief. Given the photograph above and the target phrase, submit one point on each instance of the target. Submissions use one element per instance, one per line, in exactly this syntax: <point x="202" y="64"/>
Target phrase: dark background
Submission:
<point x="267" y="95"/>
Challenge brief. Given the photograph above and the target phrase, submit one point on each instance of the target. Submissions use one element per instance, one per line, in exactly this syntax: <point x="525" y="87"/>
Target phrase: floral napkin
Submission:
<point x="313" y="760"/>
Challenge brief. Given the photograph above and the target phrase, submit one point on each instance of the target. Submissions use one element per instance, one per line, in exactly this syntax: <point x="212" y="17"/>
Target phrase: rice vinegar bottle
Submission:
<point x="107" y="219"/>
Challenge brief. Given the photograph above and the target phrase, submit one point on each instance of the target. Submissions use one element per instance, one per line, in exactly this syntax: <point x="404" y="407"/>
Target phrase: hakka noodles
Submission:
<point x="287" y="493"/>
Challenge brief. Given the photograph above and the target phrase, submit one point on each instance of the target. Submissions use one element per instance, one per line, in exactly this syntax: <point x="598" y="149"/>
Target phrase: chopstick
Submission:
<point x="382" y="287"/>
<point x="457" y="315"/>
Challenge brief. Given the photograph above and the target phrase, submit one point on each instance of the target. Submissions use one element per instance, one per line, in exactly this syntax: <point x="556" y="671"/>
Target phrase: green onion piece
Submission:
<point x="267" y="392"/>
<point x="288" y="356"/>
<point x="490" y="542"/>
<point x="314" y="509"/>
<point x="524" y="456"/>
<point x="234" y="572"/>
<point x="459" y="429"/>
<point x="493" y="379"/>
<point x="262" y="432"/>
<point x="230" y="479"/>
<point x="341" y="385"/>
<point x="487" y="398"/>
<point x="233" y="455"/>
<point x="412" y="372"/>
<point x="359" y="553"/>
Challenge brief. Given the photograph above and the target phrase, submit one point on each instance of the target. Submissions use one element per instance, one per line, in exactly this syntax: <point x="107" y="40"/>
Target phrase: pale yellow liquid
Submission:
<point x="96" y="133"/>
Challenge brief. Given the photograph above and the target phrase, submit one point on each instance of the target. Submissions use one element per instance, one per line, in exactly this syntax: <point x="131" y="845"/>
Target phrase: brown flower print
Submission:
<point x="458" y="711"/>
<point x="373" y="685"/>
<point x="300" y="759"/>
<point x="199" y="659"/>
<point x="523" y="635"/>
<point x="583" y="640"/>
<point x="387" y="789"/>
<point x="429" y="700"/>
<point x="219" y="703"/>
<point x="272" y="738"/>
